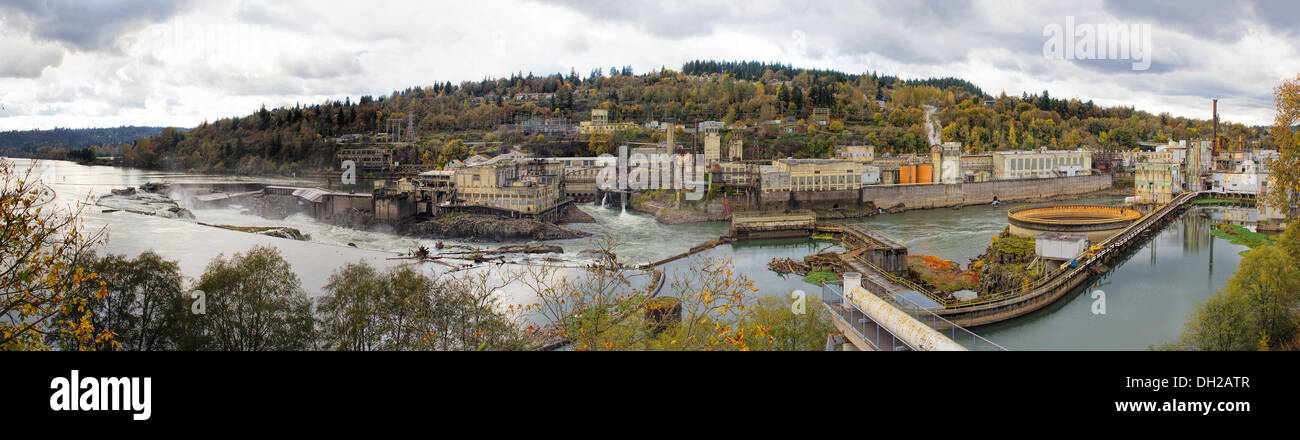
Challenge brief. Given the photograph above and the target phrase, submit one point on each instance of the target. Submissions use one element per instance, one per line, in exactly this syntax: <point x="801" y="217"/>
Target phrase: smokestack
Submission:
<point x="672" y="130"/>
<point x="1214" y="149"/>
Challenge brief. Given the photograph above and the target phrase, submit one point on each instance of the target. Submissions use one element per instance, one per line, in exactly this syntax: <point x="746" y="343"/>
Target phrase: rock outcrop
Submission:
<point x="146" y="203"/>
<point x="477" y="227"/>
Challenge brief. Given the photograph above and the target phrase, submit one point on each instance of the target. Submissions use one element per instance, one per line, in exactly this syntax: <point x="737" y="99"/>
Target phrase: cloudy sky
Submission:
<point x="94" y="63"/>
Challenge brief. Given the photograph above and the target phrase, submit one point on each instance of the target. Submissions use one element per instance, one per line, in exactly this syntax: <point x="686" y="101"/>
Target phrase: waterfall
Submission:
<point x="931" y="126"/>
<point x="602" y="199"/>
<point x="624" y="202"/>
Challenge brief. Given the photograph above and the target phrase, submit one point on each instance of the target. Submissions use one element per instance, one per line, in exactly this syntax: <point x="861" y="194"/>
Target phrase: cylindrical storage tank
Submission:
<point x="906" y="174"/>
<point x="924" y="173"/>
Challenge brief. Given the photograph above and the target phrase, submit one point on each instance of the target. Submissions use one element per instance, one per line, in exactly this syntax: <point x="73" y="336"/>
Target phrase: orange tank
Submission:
<point x="924" y="173"/>
<point x="906" y="174"/>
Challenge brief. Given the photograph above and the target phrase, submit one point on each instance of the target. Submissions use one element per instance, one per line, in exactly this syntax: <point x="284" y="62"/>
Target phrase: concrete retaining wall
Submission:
<point x="810" y="199"/>
<point x="940" y="195"/>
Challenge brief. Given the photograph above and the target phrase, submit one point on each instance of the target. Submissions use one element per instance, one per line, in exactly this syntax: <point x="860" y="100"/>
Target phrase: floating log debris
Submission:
<point x="819" y="262"/>
<point x="788" y="265"/>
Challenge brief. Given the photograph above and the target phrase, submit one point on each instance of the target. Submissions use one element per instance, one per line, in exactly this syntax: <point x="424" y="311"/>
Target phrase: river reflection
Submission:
<point x="1148" y="296"/>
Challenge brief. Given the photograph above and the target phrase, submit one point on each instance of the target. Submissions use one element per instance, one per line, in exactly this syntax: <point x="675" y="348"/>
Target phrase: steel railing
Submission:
<point x="854" y="317"/>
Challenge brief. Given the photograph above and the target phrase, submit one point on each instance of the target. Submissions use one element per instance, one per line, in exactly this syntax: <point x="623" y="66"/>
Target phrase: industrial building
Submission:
<point x="712" y="147"/>
<point x="736" y="149"/>
<point x="856" y="153"/>
<point x="1157" y="182"/>
<point x="821" y="174"/>
<point x="529" y="188"/>
<point x="368" y="159"/>
<point x="976" y="168"/>
<point x="599" y="124"/>
<point x="946" y="163"/>
<point x="772" y="179"/>
<point x="1041" y="163"/>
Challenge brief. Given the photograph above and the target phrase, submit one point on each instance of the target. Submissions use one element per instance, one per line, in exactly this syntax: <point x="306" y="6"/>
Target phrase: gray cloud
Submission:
<point x="89" y="25"/>
<point x="314" y="66"/>
<point x="279" y="16"/>
<point x="672" y="19"/>
<point x="26" y="59"/>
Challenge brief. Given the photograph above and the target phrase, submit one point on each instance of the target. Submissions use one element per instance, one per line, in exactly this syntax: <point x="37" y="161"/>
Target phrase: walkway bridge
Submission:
<point x="1000" y="306"/>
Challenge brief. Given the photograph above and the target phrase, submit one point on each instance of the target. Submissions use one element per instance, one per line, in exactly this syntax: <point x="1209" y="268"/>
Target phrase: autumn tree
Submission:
<point x="347" y="317"/>
<point x="402" y="309"/>
<point x="583" y="308"/>
<point x="1284" y="194"/>
<point x="719" y="309"/>
<point x="1258" y="309"/>
<point x="600" y="143"/>
<point x="45" y="295"/>
<point x="255" y="302"/>
<point x="144" y="306"/>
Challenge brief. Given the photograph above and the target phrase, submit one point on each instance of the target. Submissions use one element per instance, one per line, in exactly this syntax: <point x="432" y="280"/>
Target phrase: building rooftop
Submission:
<point x="790" y="161"/>
<point x="1039" y="151"/>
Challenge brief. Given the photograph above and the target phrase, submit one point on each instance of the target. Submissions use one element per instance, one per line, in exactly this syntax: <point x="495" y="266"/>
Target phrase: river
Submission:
<point x="1147" y="297"/>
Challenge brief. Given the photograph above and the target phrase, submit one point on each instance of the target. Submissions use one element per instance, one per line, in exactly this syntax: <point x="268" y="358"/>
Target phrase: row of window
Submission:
<point x="826" y="179"/>
<point x="1038" y="163"/>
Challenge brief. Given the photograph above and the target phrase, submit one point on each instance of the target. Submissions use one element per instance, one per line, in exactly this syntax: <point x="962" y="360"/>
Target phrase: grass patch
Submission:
<point x="1236" y="234"/>
<point x="820" y="277"/>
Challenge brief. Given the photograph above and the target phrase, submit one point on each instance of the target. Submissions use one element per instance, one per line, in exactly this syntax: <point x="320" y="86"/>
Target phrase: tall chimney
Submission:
<point x="1214" y="148"/>
<point x="672" y="130"/>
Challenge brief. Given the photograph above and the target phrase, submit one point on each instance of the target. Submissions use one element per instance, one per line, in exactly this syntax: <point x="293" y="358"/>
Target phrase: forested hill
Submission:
<point x="770" y="106"/>
<point x="72" y="138"/>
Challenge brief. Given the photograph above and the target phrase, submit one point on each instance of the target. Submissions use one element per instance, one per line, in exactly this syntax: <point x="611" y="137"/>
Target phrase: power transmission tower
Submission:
<point x="410" y="127"/>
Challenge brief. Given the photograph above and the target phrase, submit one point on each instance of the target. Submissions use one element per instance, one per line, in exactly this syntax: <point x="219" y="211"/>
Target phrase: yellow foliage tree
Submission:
<point x="1285" y="192"/>
<point x="45" y="293"/>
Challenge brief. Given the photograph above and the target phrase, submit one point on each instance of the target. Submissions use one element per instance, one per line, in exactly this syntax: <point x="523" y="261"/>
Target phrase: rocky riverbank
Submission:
<point x="665" y="213"/>
<point x="572" y="214"/>
<point x="478" y="227"/>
